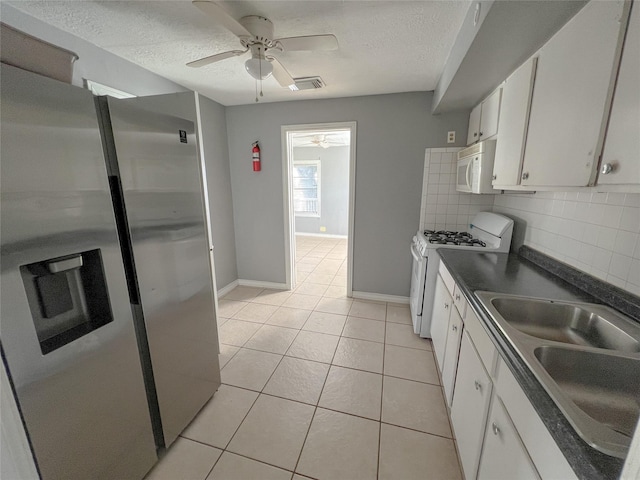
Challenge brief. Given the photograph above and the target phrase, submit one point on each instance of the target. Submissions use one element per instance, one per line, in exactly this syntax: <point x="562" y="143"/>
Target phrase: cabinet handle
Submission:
<point x="481" y="133"/>
<point x="525" y="175"/>
<point x="494" y="427"/>
<point x="478" y="385"/>
<point x="607" y="168"/>
<point x="455" y="328"/>
<point x="475" y="134"/>
<point x="458" y="297"/>
<point x="446" y="305"/>
<point x="495" y="177"/>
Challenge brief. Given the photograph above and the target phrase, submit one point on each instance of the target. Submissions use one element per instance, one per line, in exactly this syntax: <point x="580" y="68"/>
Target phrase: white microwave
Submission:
<point x="475" y="168"/>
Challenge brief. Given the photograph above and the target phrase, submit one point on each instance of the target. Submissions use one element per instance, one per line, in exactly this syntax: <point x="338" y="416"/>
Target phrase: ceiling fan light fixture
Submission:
<point x="259" y="68"/>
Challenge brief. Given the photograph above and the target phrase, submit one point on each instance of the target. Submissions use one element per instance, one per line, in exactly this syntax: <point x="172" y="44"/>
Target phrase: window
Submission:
<point x="306" y="188"/>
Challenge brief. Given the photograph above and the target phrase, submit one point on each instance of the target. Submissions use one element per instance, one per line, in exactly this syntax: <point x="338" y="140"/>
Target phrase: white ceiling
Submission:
<point x="385" y="46"/>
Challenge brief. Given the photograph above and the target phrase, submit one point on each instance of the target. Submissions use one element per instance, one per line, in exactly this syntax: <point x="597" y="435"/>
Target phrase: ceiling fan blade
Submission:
<point x="215" y="58"/>
<point x="218" y="14"/>
<point x="280" y="73"/>
<point x="311" y="42"/>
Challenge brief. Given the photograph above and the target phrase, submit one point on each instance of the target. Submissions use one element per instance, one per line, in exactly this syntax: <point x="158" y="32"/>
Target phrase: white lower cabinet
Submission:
<point x="503" y="454"/>
<point x="452" y="348"/>
<point x="470" y="406"/>
<point x="498" y="431"/>
<point x="442" y="306"/>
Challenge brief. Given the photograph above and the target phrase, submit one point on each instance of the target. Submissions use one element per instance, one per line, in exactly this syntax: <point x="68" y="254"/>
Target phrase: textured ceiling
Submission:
<point x="385" y="46"/>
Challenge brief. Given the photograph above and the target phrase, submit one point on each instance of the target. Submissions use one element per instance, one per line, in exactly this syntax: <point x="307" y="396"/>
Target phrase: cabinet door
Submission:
<point x="459" y="301"/>
<point x="503" y="455"/>
<point x="442" y="306"/>
<point x="474" y="125"/>
<point x="451" y="354"/>
<point x="470" y="406"/>
<point x="514" y="118"/>
<point x="490" y="115"/>
<point x="572" y="84"/>
<point x="622" y="144"/>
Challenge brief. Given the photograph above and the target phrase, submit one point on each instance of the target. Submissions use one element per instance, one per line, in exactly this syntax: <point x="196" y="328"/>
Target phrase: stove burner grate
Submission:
<point x="447" y="237"/>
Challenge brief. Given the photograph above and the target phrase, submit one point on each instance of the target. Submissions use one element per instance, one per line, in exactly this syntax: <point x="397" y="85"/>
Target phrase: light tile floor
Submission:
<point x="317" y="385"/>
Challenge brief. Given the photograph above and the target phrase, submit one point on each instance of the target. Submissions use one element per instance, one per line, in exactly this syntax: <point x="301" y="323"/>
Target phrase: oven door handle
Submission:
<point x="416" y="256"/>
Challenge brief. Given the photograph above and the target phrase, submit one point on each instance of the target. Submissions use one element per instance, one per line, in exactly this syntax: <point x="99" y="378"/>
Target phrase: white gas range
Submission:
<point x="488" y="232"/>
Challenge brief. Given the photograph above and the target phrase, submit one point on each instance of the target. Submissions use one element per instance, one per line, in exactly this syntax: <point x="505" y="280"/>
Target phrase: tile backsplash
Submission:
<point x="597" y="233"/>
<point x="593" y="232"/>
<point x="444" y="208"/>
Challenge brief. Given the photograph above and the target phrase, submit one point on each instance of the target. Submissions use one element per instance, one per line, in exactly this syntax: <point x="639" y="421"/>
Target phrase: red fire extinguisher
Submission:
<point x="256" y="157"/>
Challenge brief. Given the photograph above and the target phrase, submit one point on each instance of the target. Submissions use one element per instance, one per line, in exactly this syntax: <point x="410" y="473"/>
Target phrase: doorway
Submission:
<point x="319" y="180"/>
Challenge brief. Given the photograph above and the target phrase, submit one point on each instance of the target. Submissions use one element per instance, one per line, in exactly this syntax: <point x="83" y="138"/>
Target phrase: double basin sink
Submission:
<point x="587" y="358"/>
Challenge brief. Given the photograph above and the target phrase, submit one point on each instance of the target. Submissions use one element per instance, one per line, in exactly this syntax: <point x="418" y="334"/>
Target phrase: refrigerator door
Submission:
<point x="161" y="184"/>
<point x="67" y="329"/>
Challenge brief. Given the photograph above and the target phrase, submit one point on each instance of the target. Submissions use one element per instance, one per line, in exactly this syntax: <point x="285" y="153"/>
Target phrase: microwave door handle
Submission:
<point x="468" y="173"/>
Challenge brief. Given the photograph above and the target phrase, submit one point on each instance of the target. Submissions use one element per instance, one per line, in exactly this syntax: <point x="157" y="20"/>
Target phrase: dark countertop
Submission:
<point x="510" y="273"/>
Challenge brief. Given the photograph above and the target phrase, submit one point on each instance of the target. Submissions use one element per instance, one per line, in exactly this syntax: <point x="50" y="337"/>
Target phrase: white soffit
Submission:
<point x="385" y="46"/>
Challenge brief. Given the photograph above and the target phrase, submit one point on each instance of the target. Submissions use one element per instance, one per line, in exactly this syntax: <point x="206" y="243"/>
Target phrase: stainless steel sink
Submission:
<point x="576" y="323"/>
<point x="601" y="386"/>
<point x="586" y="356"/>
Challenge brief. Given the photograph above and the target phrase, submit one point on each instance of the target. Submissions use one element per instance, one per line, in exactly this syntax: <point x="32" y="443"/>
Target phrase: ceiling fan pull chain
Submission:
<point x="256" y="90"/>
<point x="260" y="67"/>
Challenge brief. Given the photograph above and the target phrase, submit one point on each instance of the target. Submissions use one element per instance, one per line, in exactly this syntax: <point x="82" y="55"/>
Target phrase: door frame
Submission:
<point x="287" y="164"/>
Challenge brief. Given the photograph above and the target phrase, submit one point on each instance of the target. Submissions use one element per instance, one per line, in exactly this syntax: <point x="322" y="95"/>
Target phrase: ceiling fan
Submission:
<point x="256" y="35"/>
<point x="324" y="140"/>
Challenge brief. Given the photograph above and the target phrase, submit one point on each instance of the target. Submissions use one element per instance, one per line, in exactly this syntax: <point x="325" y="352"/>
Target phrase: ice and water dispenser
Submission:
<point x="67" y="296"/>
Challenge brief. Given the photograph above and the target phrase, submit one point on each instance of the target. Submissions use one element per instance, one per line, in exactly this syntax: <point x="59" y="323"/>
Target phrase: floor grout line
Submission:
<point x="330" y="366"/>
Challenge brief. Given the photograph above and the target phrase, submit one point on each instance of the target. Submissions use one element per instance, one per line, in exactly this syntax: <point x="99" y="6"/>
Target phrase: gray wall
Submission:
<point x="392" y="133"/>
<point x="216" y="153"/>
<point x="334" y="190"/>
<point x="94" y="63"/>
<point x="214" y="133"/>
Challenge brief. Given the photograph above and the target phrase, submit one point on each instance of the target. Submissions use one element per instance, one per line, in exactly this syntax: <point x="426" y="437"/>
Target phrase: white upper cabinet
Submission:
<point x="490" y="115"/>
<point x="483" y="121"/>
<point x="620" y="163"/>
<point x="474" y="125"/>
<point x="570" y="97"/>
<point x="514" y="118"/>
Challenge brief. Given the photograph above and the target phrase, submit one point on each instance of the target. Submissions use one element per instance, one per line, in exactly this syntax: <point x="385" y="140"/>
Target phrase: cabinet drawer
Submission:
<point x="481" y="340"/>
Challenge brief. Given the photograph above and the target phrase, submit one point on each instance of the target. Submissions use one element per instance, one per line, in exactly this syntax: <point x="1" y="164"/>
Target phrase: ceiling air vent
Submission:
<point x="307" y="83"/>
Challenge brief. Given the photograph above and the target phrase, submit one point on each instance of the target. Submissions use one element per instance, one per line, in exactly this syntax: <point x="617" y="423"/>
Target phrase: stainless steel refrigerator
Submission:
<point x="107" y="323"/>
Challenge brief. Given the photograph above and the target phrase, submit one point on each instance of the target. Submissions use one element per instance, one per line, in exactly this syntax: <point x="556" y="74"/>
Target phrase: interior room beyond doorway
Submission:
<point x="319" y="171"/>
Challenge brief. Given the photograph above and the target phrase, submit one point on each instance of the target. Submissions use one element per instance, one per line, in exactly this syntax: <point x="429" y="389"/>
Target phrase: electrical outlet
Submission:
<point x="323" y="229"/>
<point x="451" y="137"/>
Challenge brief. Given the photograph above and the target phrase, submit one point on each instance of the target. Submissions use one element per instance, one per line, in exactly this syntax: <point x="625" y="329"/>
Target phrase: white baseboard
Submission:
<point x="260" y="284"/>
<point x="227" y="288"/>
<point x="319" y="235"/>
<point x="379" y="297"/>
